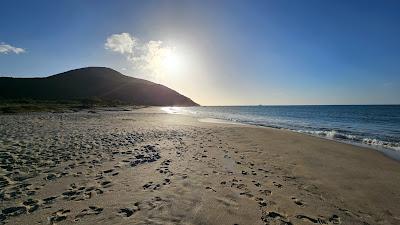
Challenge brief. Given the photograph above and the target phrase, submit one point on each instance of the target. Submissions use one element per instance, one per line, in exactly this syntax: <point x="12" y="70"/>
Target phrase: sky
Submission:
<point x="268" y="52"/>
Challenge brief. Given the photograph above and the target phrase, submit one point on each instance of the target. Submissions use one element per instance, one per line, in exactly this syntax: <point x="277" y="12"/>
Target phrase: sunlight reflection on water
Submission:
<point x="172" y="110"/>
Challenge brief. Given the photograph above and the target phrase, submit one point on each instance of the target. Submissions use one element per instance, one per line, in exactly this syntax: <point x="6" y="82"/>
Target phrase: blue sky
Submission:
<point x="233" y="52"/>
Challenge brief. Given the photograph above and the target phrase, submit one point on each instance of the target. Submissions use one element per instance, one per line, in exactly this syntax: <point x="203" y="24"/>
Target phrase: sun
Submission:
<point x="166" y="63"/>
<point x="171" y="61"/>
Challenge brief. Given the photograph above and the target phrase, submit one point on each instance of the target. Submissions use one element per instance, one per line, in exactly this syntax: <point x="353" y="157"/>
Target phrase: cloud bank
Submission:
<point x="147" y="57"/>
<point x="122" y="43"/>
<point x="6" y="48"/>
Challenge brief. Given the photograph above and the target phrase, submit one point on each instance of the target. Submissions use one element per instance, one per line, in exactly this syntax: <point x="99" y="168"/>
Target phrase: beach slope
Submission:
<point x="148" y="167"/>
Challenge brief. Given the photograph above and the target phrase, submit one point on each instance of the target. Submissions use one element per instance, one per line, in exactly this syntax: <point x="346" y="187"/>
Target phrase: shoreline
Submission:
<point x="389" y="152"/>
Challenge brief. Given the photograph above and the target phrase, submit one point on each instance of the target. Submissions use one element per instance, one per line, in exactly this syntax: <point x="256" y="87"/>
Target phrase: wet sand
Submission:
<point x="148" y="167"/>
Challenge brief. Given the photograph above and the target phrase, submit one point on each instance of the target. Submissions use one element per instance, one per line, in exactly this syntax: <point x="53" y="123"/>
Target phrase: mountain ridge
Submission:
<point x="92" y="82"/>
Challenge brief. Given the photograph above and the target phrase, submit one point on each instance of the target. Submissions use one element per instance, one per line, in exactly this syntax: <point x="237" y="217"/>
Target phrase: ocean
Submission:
<point x="374" y="126"/>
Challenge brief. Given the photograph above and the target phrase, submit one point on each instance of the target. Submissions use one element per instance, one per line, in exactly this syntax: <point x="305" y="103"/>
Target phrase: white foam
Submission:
<point x="331" y="134"/>
<point x="386" y="144"/>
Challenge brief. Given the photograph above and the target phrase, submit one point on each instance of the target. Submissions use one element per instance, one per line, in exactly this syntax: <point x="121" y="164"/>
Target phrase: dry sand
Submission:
<point x="147" y="167"/>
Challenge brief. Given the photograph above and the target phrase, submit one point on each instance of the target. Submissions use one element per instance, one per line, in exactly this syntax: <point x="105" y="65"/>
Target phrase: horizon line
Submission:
<point x="384" y="104"/>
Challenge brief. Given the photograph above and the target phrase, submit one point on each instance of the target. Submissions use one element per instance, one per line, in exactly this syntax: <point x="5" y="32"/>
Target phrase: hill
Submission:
<point x="100" y="83"/>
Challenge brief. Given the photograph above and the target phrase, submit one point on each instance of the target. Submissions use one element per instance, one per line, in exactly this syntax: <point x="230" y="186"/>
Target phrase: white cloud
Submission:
<point x="147" y="57"/>
<point x="122" y="43"/>
<point x="6" y="48"/>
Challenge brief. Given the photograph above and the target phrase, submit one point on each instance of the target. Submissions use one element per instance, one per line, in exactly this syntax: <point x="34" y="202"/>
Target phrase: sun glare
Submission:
<point x="171" y="61"/>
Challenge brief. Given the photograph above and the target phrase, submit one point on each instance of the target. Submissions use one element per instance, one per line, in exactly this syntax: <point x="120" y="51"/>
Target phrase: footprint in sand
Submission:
<point x="210" y="188"/>
<point x="297" y="201"/>
<point x="313" y="220"/>
<point x="106" y="184"/>
<point x="49" y="200"/>
<point x="151" y="186"/>
<point x="261" y="202"/>
<point x="164" y="168"/>
<point x="108" y="171"/>
<point x="127" y="212"/>
<point x="247" y="194"/>
<point x="275" y="218"/>
<point x="13" y="211"/>
<point x="257" y="184"/>
<point x="32" y="204"/>
<point x="277" y="185"/>
<point x="265" y="192"/>
<point x="92" y="210"/>
<point x="58" y="216"/>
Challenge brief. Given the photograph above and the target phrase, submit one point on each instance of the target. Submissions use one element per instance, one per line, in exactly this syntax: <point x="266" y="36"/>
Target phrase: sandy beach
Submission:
<point x="149" y="167"/>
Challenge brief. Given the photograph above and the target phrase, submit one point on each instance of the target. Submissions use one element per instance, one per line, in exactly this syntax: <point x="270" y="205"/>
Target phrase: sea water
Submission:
<point x="376" y="126"/>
